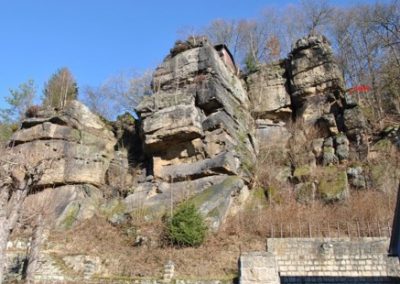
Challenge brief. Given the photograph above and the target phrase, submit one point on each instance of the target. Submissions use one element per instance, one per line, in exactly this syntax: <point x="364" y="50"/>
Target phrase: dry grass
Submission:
<point x="365" y="208"/>
<point x="247" y="231"/>
<point x="217" y="257"/>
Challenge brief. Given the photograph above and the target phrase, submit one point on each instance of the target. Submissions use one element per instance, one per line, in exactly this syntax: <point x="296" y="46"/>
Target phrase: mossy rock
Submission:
<point x="69" y="216"/>
<point x="383" y="145"/>
<point x="384" y="176"/>
<point x="302" y="173"/>
<point x="305" y="192"/>
<point x="258" y="195"/>
<point x="333" y="184"/>
<point x="274" y="195"/>
<point x="214" y="202"/>
<point x="115" y="211"/>
<point x="257" y="199"/>
<point x="368" y="112"/>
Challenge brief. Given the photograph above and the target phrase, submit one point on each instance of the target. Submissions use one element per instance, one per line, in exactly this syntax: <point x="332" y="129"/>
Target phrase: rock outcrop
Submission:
<point x="197" y="129"/>
<point x="74" y="148"/>
<point x="316" y="83"/>
<point x="304" y="96"/>
<point x="268" y="91"/>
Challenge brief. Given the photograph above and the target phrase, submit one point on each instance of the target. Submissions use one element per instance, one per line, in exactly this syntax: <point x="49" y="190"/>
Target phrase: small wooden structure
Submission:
<point x="227" y="57"/>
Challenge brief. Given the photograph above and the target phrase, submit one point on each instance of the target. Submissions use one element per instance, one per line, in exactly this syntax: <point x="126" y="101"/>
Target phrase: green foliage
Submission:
<point x="6" y="130"/>
<point x="186" y="227"/>
<point x="19" y="101"/>
<point x="60" y="89"/>
<point x="251" y="63"/>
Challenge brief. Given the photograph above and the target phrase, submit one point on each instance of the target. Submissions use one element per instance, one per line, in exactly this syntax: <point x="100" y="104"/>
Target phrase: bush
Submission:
<point x="186" y="227"/>
<point x="32" y="111"/>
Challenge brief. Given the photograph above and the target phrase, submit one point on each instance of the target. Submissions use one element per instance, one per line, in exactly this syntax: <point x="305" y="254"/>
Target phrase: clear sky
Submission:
<point x="98" y="38"/>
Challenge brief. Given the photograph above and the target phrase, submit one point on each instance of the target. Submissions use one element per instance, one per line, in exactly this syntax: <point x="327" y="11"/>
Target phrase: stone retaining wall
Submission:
<point x="322" y="260"/>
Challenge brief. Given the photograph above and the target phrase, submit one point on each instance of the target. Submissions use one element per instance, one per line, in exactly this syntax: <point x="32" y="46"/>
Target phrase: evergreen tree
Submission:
<point x="186" y="227"/>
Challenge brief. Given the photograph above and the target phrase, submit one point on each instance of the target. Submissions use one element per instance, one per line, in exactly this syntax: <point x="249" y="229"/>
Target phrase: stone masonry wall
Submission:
<point x="325" y="260"/>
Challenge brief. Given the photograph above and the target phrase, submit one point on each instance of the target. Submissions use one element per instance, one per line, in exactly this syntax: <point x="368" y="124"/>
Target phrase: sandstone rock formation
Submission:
<point x="316" y="83"/>
<point x="300" y="97"/>
<point x="197" y="130"/>
<point x="75" y="148"/>
<point x="268" y="91"/>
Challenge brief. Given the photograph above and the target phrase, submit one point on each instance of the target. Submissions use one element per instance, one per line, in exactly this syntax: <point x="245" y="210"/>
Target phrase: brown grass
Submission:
<point x="217" y="257"/>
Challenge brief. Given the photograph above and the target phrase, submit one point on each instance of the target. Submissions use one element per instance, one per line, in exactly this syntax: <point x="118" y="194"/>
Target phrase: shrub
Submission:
<point x="186" y="227"/>
<point x="32" y="111"/>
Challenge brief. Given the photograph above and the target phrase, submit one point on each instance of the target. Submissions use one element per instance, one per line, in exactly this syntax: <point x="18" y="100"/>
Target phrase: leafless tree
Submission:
<point x="317" y="14"/>
<point x="118" y="94"/>
<point x="60" y="88"/>
<point x="228" y="32"/>
<point x="16" y="181"/>
<point x="365" y="39"/>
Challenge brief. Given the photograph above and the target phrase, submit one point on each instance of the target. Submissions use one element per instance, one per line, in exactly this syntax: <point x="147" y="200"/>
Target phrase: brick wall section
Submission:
<point x="306" y="258"/>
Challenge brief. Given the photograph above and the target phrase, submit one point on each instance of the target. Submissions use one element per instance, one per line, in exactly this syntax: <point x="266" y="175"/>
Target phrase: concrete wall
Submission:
<point x="318" y="260"/>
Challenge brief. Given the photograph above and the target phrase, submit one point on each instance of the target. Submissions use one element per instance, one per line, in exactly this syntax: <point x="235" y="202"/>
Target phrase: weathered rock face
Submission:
<point x="197" y="124"/>
<point x="269" y="92"/>
<point x="315" y="79"/>
<point x="307" y="86"/>
<point x="303" y="97"/>
<point x="74" y="147"/>
<point x="270" y="102"/>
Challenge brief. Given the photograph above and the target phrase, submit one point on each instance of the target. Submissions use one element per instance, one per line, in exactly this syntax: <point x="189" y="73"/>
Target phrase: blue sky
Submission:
<point x="98" y="38"/>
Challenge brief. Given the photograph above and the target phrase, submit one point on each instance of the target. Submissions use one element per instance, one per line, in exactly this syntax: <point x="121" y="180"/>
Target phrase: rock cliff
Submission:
<point x="197" y="132"/>
<point x="300" y="105"/>
<point x="198" y="137"/>
<point x="205" y="136"/>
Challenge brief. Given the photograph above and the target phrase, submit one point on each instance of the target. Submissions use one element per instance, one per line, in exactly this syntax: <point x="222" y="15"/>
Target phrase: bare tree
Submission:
<point x="365" y="39"/>
<point x="317" y="14"/>
<point x="385" y="19"/>
<point x="60" y="88"/>
<point x="118" y="94"/>
<point x="228" y="32"/>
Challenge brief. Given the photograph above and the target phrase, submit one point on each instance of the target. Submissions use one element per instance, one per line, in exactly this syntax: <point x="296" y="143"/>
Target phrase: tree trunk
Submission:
<point x="8" y="220"/>
<point x="38" y="240"/>
<point x="4" y="232"/>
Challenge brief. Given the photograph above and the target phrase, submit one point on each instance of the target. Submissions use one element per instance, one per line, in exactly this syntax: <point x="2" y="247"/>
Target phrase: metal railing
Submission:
<point x="329" y="230"/>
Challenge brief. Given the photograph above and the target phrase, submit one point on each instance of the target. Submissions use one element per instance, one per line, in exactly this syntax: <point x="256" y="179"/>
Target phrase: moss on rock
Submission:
<point x="69" y="215"/>
<point x="302" y="173"/>
<point x="305" y="192"/>
<point x="333" y="185"/>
